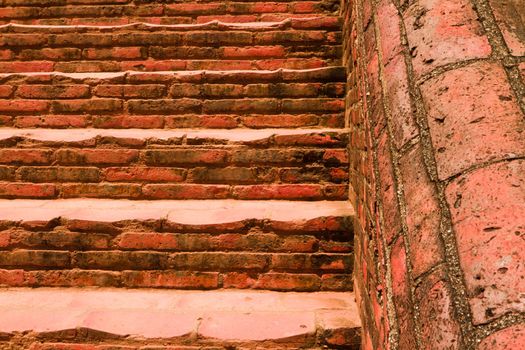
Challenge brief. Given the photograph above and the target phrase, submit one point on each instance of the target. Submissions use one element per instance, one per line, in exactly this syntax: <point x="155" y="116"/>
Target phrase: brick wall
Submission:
<point x="436" y="108"/>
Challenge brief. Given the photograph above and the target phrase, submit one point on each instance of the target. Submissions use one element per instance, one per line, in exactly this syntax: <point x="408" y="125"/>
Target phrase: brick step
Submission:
<point x="291" y="43"/>
<point x="218" y="99"/>
<point x="98" y="319"/>
<point x="174" y="164"/>
<point x="58" y="12"/>
<point x="273" y="245"/>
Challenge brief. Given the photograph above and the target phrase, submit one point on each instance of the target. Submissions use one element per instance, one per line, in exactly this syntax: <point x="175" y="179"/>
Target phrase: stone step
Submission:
<point x="108" y="12"/>
<point x="181" y="99"/>
<point x="291" y="43"/>
<point x="72" y="319"/>
<point x="174" y="164"/>
<point x="271" y="245"/>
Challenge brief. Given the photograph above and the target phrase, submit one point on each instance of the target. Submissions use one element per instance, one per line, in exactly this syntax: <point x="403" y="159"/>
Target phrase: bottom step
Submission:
<point x="123" y="319"/>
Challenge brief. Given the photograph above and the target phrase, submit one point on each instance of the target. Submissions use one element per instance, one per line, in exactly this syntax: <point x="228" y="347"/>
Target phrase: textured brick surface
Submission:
<point x="461" y="115"/>
<point x="487" y="211"/>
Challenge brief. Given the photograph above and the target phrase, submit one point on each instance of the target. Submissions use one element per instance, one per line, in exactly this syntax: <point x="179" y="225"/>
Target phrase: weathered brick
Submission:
<point x="52" y="91"/>
<point x="98" y="105"/>
<point x="186" y="191"/>
<point x="422" y="213"/>
<point x="132" y="191"/>
<point x="23" y="106"/>
<point x="509" y="15"/>
<point x="509" y="338"/>
<point x="25" y="156"/>
<point x="95" y="156"/>
<point x="59" y="174"/>
<point x="118" y="260"/>
<point x="179" y="106"/>
<point x="35" y="258"/>
<point x="435" y="307"/>
<point x="289" y="282"/>
<point x="171" y="279"/>
<point x="299" y="191"/>
<point x="487" y="213"/>
<point x="27" y="190"/>
<point x="473" y="117"/>
<point x="443" y="33"/>
<point x="184" y="156"/>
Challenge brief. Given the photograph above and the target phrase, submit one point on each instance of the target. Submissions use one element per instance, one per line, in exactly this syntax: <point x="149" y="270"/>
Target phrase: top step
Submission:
<point x="112" y="12"/>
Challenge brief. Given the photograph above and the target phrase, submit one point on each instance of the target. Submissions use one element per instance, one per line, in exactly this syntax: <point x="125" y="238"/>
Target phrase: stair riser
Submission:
<point x="219" y="121"/>
<point x="260" y="255"/>
<point x="77" y="12"/>
<point x="164" y="51"/>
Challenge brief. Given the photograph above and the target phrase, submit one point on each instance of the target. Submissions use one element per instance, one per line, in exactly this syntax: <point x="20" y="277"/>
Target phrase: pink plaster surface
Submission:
<point x="179" y="211"/>
<point x="75" y="135"/>
<point x="228" y="315"/>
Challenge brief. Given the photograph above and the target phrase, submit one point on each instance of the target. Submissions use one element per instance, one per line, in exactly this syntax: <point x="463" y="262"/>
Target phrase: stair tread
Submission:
<point x="183" y="73"/>
<point x="83" y="134"/>
<point x="222" y="315"/>
<point x="314" y="21"/>
<point x="195" y="212"/>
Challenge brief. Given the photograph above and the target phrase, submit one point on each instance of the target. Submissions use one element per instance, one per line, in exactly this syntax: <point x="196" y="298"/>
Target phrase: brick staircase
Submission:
<point x="174" y="175"/>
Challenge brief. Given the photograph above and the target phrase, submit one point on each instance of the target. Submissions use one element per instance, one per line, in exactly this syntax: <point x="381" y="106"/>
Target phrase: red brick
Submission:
<point x="337" y="282"/>
<point x="280" y="121"/>
<point x="52" y="121"/>
<point x="132" y="191"/>
<point x="401" y="294"/>
<point x="129" y="121"/>
<point x="253" y="52"/>
<point x="195" y="9"/>
<point x="61" y="54"/>
<point x="113" y="53"/>
<point x="171" y="279"/>
<point x="179" y="106"/>
<point x="509" y="15"/>
<point x="512" y="337"/>
<point x="473" y="117"/>
<point x="168" y="191"/>
<point x="398" y="101"/>
<point x="35" y="258"/>
<point x="219" y="261"/>
<point x="422" y="213"/>
<point x="184" y="156"/>
<point x="391" y="216"/>
<point x="145" y="174"/>
<point x="22" y="67"/>
<point x="239" y="280"/>
<point x="27" y="190"/>
<point x="389" y="23"/>
<point x="118" y="260"/>
<point x="289" y="282"/>
<point x="444" y="32"/>
<point x="133" y="91"/>
<point x="98" y="105"/>
<point x="59" y="174"/>
<point x="148" y="240"/>
<point x="95" y="156"/>
<point x="303" y="192"/>
<point x="25" y="156"/>
<point x="6" y="91"/>
<point x="202" y="121"/>
<point x="23" y="106"/>
<point x="52" y="91"/>
<point x="487" y="214"/>
<point x="241" y="106"/>
<point x="440" y="329"/>
<point x="12" y="278"/>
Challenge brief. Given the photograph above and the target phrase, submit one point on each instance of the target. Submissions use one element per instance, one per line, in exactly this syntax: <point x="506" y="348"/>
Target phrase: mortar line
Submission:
<point x="461" y="309"/>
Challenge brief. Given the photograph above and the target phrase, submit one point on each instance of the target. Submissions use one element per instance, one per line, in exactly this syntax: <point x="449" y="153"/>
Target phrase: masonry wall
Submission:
<point x="436" y="108"/>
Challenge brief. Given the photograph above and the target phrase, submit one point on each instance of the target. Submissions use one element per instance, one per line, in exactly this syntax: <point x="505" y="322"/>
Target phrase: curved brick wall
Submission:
<point x="436" y="108"/>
